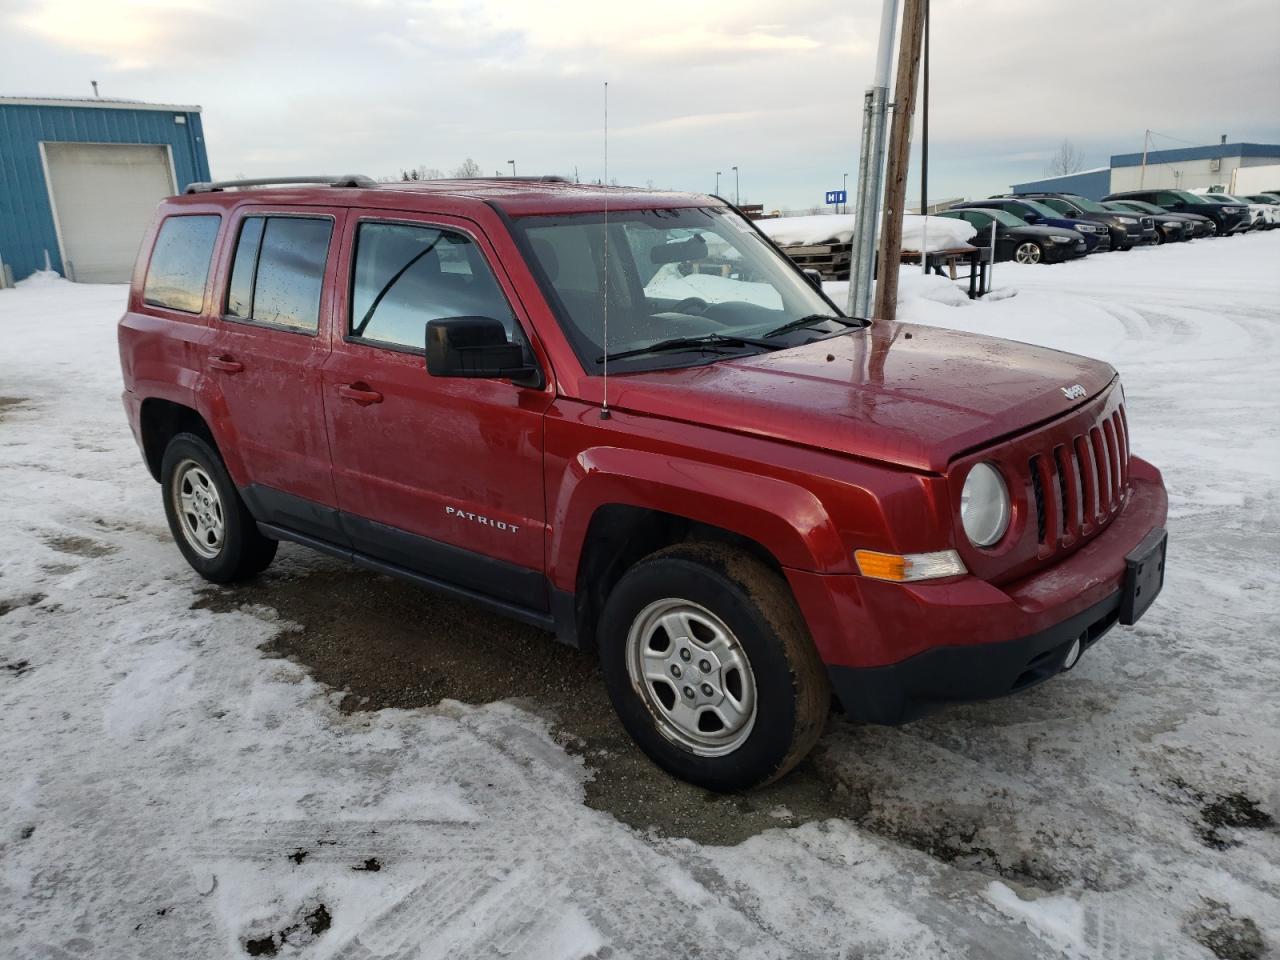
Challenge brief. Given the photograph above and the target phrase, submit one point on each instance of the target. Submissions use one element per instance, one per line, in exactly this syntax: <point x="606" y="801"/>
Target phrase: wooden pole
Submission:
<point x="895" y="189"/>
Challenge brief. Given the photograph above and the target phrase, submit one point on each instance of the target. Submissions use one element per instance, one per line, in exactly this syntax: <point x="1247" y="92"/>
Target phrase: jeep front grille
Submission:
<point x="1079" y="483"/>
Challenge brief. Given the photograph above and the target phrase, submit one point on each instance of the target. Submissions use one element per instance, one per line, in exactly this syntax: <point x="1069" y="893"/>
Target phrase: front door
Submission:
<point x="442" y="476"/>
<point x="268" y="351"/>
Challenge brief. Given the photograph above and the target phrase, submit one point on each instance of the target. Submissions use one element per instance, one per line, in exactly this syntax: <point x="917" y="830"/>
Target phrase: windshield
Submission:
<point x="1041" y="209"/>
<point x="1005" y="217"/>
<point x="1188" y="197"/>
<point x="1092" y="206"/>
<point x="1141" y="205"/>
<point x="694" y="272"/>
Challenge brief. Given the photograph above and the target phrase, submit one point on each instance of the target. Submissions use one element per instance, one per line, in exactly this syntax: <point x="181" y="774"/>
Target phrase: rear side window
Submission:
<point x="278" y="272"/>
<point x="179" y="264"/>
<point x="406" y="275"/>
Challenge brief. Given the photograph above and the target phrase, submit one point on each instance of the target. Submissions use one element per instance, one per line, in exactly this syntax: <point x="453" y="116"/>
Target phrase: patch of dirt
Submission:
<point x="79" y="546"/>
<point x="10" y="403"/>
<point x="391" y="644"/>
<point x="1221" y="812"/>
<point x="17" y="668"/>
<point x="16" y="603"/>
<point x="308" y="926"/>
<point x="372" y="865"/>
<point x="1225" y="935"/>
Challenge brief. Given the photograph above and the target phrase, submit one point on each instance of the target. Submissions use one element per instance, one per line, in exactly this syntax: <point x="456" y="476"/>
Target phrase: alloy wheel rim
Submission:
<point x="693" y="676"/>
<point x="1028" y="253"/>
<point x="199" y="509"/>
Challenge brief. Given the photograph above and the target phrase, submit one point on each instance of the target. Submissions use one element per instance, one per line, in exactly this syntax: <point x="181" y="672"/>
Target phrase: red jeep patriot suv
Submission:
<point x="626" y="417"/>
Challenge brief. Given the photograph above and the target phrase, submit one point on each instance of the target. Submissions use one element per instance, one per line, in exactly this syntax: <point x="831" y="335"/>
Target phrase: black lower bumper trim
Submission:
<point x="899" y="692"/>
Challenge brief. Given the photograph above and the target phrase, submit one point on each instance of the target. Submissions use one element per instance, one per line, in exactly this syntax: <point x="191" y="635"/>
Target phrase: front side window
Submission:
<point x="179" y="266"/>
<point x="278" y="272"/>
<point x="406" y="275"/>
<point x="692" y="281"/>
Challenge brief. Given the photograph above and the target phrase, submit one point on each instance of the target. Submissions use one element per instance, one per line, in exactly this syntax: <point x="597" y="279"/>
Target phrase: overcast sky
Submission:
<point x="774" y="86"/>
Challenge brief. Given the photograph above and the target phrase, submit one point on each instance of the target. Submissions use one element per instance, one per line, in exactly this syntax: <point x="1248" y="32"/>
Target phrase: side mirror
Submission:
<point x="1030" y="217"/>
<point x="477" y="347"/>
<point x="813" y="276"/>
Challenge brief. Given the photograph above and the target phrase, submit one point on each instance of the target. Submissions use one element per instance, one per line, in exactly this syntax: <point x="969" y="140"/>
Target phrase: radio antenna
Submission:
<point x="604" y="409"/>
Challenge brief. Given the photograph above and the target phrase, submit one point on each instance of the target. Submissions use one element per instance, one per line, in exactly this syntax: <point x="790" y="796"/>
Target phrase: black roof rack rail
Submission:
<point x="346" y="180"/>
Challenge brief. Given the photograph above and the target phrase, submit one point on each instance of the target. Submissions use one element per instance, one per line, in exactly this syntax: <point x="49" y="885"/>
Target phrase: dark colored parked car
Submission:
<point x="764" y="502"/>
<point x="1127" y="231"/>
<point x="1227" y="218"/>
<point x="1018" y="240"/>
<point x="1169" y="228"/>
<point x="1096" y="235"/>
<point x="1195" y="225"/>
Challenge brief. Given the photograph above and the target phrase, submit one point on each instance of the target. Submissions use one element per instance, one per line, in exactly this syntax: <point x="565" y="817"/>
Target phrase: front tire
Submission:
<point x="710" y="667"/>
<point x="1028" y="252"/>
<point x="207" y="518"/>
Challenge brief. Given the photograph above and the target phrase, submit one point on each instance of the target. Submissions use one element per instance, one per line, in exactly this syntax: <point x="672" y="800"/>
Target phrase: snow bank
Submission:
<point x="943" y="233"/>
<point x="41" y="278"/>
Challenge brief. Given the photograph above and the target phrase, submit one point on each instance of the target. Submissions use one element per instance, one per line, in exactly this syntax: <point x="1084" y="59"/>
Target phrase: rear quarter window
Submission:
<point x="179" y="266"/>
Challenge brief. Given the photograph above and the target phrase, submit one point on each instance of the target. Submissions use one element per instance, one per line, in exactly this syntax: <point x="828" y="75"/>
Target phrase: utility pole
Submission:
<point x="717" y="183"/>
<point x="737" y="194"/>
<point x="924" y="143"/>
<point x="875" y="103"/>
<point x="895" y="190"/>
<point x="1142" y="173"/>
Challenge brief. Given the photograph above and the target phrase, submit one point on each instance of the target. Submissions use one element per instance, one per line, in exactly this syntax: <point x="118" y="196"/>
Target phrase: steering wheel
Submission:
<point x="697" y="304"/>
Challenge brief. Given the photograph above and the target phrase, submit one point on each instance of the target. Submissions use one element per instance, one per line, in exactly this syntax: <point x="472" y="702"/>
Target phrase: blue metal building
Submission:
<point x="80" y="179"/>
<point x="1094" y="184"/>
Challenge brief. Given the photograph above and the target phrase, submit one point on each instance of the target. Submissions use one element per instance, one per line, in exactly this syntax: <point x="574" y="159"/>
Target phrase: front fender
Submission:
<point x="786" y="519"/>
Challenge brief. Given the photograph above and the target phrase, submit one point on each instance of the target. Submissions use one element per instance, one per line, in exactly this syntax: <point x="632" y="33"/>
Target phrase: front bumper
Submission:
<point x="897" y="651"/>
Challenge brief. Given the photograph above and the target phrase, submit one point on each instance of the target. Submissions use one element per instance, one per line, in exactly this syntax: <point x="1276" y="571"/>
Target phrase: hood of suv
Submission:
<point x="898" y="393"/>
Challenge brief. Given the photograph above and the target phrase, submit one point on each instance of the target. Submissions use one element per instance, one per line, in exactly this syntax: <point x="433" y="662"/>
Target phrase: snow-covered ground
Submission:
<point x="169" y="789"/>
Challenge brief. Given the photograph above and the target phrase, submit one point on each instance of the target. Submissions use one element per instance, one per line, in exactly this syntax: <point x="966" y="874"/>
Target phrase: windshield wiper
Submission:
<point x="693" y="343"/>
<point x="801" y="323"/>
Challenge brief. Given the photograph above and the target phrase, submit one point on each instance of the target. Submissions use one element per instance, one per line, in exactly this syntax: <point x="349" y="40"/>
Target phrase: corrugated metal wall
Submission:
<point x="26" y="219"/>
<point x="1094" y="184"/>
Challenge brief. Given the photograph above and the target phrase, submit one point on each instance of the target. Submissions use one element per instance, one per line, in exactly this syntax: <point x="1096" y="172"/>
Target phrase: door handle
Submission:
<point x="359" y="392"/>
<point x="225" y="364"/>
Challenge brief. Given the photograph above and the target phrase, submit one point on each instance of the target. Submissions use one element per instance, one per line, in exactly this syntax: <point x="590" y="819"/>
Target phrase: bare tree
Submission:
<point x="1066" y="159"/>
<point x="468" y="170"/>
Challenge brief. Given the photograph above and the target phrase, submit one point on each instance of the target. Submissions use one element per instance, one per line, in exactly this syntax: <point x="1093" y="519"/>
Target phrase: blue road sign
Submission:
<point x="835" y="196"/>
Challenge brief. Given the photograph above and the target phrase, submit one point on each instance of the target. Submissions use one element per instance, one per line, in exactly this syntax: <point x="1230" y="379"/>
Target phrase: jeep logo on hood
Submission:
<point x="1073" y="392"/>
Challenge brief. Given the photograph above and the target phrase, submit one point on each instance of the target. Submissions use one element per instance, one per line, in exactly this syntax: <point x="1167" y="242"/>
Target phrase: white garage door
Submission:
<point x="104" y="196"/>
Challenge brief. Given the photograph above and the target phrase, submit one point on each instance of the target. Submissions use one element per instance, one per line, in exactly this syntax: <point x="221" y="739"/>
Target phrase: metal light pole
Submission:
<point x="924" y="149"/>
<point x="871" y="168"/>
<point x="846" y="192"/>
<point x="737" y="194"/>
<point x="513" y="167"/>
<point x="717" y="183"/>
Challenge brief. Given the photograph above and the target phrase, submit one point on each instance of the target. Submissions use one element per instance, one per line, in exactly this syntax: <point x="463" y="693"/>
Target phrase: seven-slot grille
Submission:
<point x="1080" y="483"/>
<point x="1148" y="223"/>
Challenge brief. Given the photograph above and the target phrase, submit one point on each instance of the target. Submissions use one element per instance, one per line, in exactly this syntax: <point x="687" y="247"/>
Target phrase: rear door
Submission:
<point x="442" y="476"/>
<point x="268" y="352"/>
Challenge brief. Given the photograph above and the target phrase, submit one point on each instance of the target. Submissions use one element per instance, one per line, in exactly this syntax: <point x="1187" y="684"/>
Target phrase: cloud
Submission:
<point x="774" y="86"/>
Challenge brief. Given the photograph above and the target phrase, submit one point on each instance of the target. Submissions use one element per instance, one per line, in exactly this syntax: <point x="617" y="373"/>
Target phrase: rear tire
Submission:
<point x="208" y="520"/>
<point x="710" y="667"/>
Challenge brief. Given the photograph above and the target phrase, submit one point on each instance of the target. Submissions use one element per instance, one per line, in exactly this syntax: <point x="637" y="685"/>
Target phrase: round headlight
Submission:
<point x="984" y="505"/>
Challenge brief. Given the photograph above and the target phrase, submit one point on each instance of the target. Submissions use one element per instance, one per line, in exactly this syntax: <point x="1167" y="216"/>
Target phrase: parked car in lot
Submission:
<point x="737" y="497"/>
<point x="1018" y="240"/>
<point x="1194" y="224"/>
<point x="1227" y="218"/>
<point x="1169" y="228"/>
<point x="1096" y="235"/>
<point x="1263" y="214"/>
<point x="1127" y="231"/>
